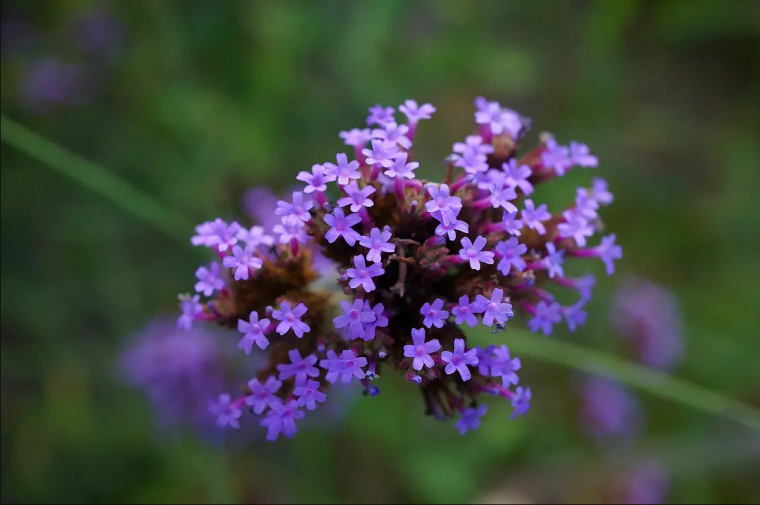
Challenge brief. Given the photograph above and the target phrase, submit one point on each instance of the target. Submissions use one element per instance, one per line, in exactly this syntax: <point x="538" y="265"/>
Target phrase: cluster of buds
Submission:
<point x="416" y="260"/>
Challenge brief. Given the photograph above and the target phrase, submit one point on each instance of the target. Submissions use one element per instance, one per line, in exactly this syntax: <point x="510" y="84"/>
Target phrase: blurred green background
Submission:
<point x="193" y="102"/>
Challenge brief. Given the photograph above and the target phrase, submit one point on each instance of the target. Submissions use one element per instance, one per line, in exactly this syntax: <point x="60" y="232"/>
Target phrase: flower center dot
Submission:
<point x="353" y="314"/>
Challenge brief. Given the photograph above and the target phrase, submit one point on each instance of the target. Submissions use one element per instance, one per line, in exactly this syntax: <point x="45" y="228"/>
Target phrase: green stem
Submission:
<point x="589" y="360"/>
<point x="97" y="179"/>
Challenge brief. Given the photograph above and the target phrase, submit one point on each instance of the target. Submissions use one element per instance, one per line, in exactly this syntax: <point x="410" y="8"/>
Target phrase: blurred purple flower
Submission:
<point x="648" y="483"/>
<point x="647" y="316"/>
<point x="180" y="371"/>
<point x="49" y="83"/>
<point x="260" y="204"/>
<point x="609" y="410"/>
<point x="99" y="32"/>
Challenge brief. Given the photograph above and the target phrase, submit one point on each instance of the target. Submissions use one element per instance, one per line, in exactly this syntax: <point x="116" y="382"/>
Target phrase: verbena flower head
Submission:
<point x="415" y="261"/>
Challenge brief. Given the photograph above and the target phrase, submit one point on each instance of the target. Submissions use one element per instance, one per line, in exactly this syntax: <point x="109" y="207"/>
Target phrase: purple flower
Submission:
<point x="421" y="350"/>
<point x="517" y="176"/>
<point x="511" y="224"/>
<point x="382" y="153"/>
<point x="401" y="168"/>
<point x="226" y="412"/>
<point x="299" y="209"/>
<point x="255" y="237"/>
<point x="553" y="261"/>
<point x="415" y="113"/>
<point x="609" y="252"/>
<point x="263" y="395"/>
<point x="291" y="319"/>
<point x="377" y="243"/>
<point x="357" y="198"/>
<point x="208" y="279"/>
<point x="609" y="410"/>
<point x="575" y="226"/>
<point x="340" y="226"/>
<point x="473" y="145"/>
<point x="465" y="312"/>
<point x="360" y="275"/>
<point x="557" y="157"/>
<point x="330" y="376"/>
<point x="511" y="253"/>
<point x="485" y="358"/>
<point x="221" y="235"/>
<point x="647" y="316"/>
<point x="348" y="366"/>
<point x="202" y="232"/>
<point x="343" y="171"/>
<point x="502" y="197"/>
<point x="575" y="315"/>
<point x="49" y="83"/>
<point x="317" y="179"/>
<point x="300" y="368"/>
<point x="434" y="314"/>
<point x="547" y="314"/>
<point x="253" y="332"/>
<point x="504" y="366"/>
<point x="260" y="204"/>
<point x="451" y="228"/>
<point x="472" y="162"/>
<point x="394" y="133"/>
<point x="585" y="205"/>
<point x="242" y="260"/>
<point x="179" y="370"/>
<point x="491" y="114"/>
<point x="585" y="286"/>
<point x="380" y="320"/>
<point x="281" y="419"/>
<point x="470" y="419"/>
<point x="532" y="217"/>
<point x="290" y="229"/>
<point x="581" y="155"/>
<point x="475" y="253"/>
<point x="443" y="207"/>
<point x="309" y="394"/>
<point x="380" y="115"/>
<point x="459" y="359"/>
<point x="494" y="309"/>
<point x="521" y="402"/>
<point x="648" y="483"/>
<point x="354" y="317"/>
<point x="600" y="193"/>
<point x="355" y="137"/>
<point x="190" y="306"/>
<point x="99" y="32"/>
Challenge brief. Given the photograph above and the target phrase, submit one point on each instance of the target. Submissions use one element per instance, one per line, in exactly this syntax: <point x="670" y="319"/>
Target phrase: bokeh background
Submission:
<point x="193" y="102"/>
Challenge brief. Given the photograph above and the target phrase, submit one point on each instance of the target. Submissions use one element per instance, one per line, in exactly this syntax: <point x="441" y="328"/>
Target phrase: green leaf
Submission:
<point x="582" y="358"/>
<point x="96" y="178"/>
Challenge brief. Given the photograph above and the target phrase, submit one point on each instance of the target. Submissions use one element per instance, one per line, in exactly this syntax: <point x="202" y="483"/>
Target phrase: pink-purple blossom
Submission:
<point x="434" y="314"/>
<point x="290" y="318"/>
<point x="421" y="350"/>
<point x="474" y="253"/>
<point x="361" y="275"/>
<point x="253" y="332"/>
<point x="459" y="360"/>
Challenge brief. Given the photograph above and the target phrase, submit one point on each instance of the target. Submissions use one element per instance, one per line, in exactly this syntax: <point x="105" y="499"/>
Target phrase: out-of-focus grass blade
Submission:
<point x="588" y="360"/>
<point x="97" y="179"/>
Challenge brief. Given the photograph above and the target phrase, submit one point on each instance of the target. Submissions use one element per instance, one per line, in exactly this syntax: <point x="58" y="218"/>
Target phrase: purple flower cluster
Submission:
<point x="417" y="261"/>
